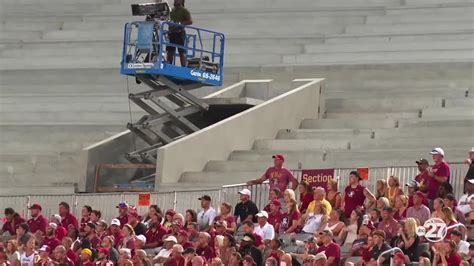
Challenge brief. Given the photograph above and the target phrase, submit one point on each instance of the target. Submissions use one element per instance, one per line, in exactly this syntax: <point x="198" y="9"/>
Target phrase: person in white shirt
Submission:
<point x="205" y="217"/>
<point x="165" y="252"/>
<point x="263" y="228"/>
<point x="463" y="246"/>
<point x="464" y="200"/>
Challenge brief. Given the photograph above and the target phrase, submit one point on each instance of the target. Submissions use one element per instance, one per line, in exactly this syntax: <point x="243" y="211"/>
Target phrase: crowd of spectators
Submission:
<point x="317" y="227"/>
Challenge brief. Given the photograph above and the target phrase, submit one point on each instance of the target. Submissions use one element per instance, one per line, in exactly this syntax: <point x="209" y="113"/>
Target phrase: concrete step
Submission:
<point x="88" y="118"/>
<point x="415" y="92"/>
<point x="348" y="123"/>
<point x="40" y="189"/>
<point x="417" y="18"/>
<point x="458" y="102"/>
<point x="382" y="104"/>
<point x="411" y="28"/>
<point x="448" y="113"/>
<point x="381" y="57"/>
<point x="266" y="155"/>
<point x="326" y="134"/>
<point x="420" y="142"/>
<point x="41" y="147"/>
<point x="370" y="115"/>
<point x="404" y="132"/>
<point x="387" y="38"/>
<point x="57" y="133"/>
<point x="431" y="9"/>
<point x="71" y="107"/>
<point x="33" y="98"/>
<point x="301" y="145"/>
<point x="393" y="46"/>
<point x="437" y="122"/>
<point x="218" y="178"/>
<point x="30" y="25"/>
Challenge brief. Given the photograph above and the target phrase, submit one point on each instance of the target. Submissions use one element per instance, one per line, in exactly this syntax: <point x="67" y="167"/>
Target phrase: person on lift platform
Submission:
<point x="177" y="35"/>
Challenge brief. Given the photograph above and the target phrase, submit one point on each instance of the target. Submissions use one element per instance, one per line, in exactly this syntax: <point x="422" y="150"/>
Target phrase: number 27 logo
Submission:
<point x="434" y="230"/>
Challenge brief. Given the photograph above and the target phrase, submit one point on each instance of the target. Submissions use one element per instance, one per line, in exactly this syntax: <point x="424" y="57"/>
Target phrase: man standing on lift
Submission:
<point x="177" y="34"/>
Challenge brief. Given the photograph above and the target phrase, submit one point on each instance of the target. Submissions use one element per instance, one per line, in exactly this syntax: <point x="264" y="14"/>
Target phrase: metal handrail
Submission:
<point x="387" y="251"/>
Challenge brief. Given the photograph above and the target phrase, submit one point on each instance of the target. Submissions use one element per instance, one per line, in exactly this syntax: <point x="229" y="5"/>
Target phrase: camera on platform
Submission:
<point x="152" y="11"/>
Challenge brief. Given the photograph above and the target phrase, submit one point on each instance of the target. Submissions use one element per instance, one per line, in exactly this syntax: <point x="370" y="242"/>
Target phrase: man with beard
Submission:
<point x="50" y="239"/>
<point x="138" y="227"/>
<point x="116" y="232"/>
<point x="37" y="223"/>
<point x="90" y="234"/>
<point x="103" y="257"/>
<point x="61" y="257"/>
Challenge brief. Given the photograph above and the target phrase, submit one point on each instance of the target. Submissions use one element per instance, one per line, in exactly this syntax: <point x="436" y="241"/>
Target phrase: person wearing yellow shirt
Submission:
<point x="319" y="196"/>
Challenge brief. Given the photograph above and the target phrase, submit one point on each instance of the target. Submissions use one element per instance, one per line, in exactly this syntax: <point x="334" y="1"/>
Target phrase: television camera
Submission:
<point x="152" y="11"/>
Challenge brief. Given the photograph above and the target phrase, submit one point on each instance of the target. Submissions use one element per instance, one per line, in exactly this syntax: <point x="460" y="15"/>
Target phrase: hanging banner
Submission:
<point x="144" y="200"/>
<point x="317" y="177"/>
<point x="364" y="173"/>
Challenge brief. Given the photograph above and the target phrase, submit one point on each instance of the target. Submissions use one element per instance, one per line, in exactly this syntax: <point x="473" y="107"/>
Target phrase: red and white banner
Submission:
<point x="317" y="177"/>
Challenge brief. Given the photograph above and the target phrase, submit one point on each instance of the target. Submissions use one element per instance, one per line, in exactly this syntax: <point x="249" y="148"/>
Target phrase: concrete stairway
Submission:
<point x="61" y="89"/>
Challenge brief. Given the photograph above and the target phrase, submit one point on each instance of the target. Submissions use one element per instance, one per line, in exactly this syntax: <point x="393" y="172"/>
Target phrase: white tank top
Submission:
<point x="332" y="227"/>
<point x="313" y="223"/>
<point x="28" y="260"/>
<point x="351" y="234"/>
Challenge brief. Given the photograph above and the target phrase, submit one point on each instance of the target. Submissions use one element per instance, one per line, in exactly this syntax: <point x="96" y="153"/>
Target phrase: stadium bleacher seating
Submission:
<point x="59" y="72"/>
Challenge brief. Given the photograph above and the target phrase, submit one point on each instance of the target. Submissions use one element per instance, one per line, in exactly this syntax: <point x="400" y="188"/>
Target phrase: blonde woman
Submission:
<point x="382" y="203"/>
<point x="333" y="196"/>
<point x="288" y="196"/>
<point x="12" y="252"/>
<point x="393" y="190"/>
<point x="129" y="237"/>
<point x="317" y="221"/>
<point x="410" y="239"/>
<point x="381" y="187"/>
<point x="401" y="206"/>
<point x="447" y="215"/>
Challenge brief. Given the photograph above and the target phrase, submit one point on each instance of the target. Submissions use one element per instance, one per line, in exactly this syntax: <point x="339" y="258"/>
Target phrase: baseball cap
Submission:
<point x="171" y="239"/>
<point x="35" y="206"/>
<point x="189" y="251"/>
<point x="422" y="161"/>
<point x="419" y="194"/>
<point x="245" y="192"/>
<point x="56" y="216"/>
<point x="437" y="150"/>
<point x="103" y="250"/>
<point x="142" y="238"/>
<point x="311" y="240"/>
<point x="276" y="203"/>
<point x="388" y="209"/>
<point x="91" y="225"/>
<point x="262" y="214"/>
<point x="205" y="197"/>
<point x="53" y="225"/>
<point x="472" y="150"/>
<point x="470" y="181"/>
<point x="279" y="157"/>
<point x="122" y="205"/>
<point x="86" y="251"/>
<point x="115" y="222"/>
<point x="412" y="183"/>
<point x="326" y="232"/>
<point x="45" y="248"/>
<point x="178" y="248"/>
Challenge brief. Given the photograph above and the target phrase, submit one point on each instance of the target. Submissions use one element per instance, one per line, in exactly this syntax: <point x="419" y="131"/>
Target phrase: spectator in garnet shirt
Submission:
<point x="423" y="177"/>
<point x="226" y="215"/>
<point x="37" y="222"/>
<point x="123" y="213"/>
<point x="355" y="194"/>
<point x="61" y="231"/>
<point x="439" y="173"/>
<point x="155" y="233"/>
<point x="249" y="228"/>
<point x="67" y="217"/>
<point x="13" y="222"/>
<point x="50" y="238"/>
<point x="203" y="248"/>
<point x="446" y="254"/>
<point x="290" y="219"/>
<point x="274" y="215"/>
<point x="275" y="194"/>
<point x="176" y="258"/>
<point x="331" y="249"/>
<point x="306" y="195"/>
<point x="388" y="224"/>
<point x="277" y="175"/>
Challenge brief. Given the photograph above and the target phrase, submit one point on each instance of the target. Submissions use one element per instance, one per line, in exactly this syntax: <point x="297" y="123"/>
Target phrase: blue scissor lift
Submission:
<point x="169" y="103"/>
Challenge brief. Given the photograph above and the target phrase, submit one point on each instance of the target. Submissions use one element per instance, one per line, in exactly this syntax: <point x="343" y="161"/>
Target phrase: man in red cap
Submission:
<point x="103" y="257"/>
<point x="277" y="175"/>
<point x="37" y="222"/>
<point x="44" y="258"/>
<point x="275" y="215"/>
